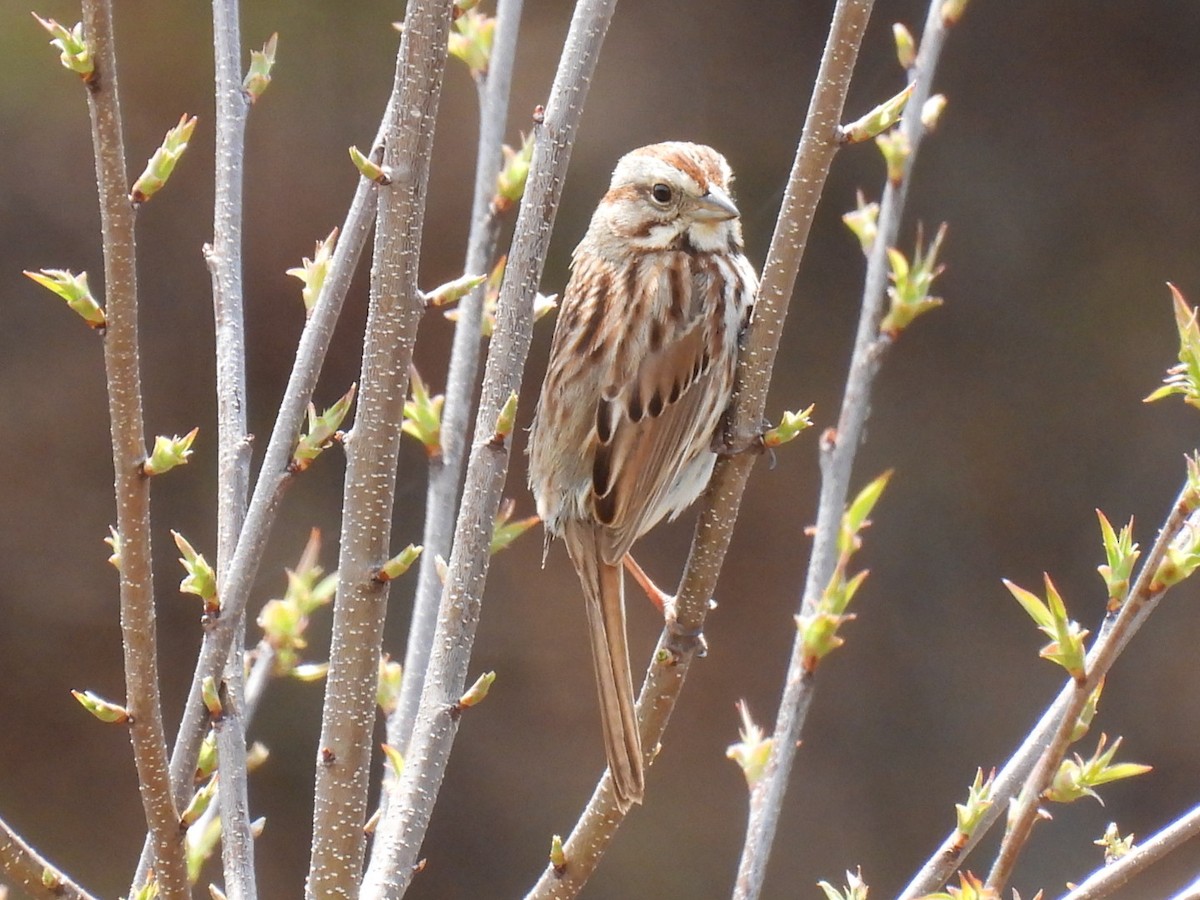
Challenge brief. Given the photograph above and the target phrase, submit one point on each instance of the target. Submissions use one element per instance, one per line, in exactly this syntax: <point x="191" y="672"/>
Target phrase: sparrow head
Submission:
<point x="674" y="195"/>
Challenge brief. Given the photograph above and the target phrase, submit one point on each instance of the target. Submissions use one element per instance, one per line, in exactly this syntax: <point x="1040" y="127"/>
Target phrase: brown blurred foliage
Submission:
<point x="1066" y="167"/>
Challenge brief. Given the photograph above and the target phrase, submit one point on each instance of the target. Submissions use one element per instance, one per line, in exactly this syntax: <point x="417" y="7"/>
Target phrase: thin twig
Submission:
<point x="1143" y="599"/>
<point x="25" y="868"/>
<point x="343" y="768"/>
<point x="233" y="469"/>
<point x="132" y="487"/>
<point x="1116" y="874"/>
<point x="446" y="471"/>
<point x="955" y="847"/>
<point x="274" y="477"/>
<point x="679" y="641"/>
<point x="233" y="803"/>
<point x="838" y="450"/>
<point x="402" y="828"/>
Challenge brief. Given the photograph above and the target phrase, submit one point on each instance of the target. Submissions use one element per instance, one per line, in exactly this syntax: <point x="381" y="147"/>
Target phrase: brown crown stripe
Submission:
<point x="700" y="167"/>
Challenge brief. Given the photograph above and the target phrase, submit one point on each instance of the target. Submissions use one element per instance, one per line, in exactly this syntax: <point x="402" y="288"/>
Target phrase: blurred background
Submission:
<point x="1066" y="167"/>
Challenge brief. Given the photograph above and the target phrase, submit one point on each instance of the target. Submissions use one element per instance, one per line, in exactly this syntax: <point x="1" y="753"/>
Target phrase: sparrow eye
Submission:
<point x="661" y="193"/>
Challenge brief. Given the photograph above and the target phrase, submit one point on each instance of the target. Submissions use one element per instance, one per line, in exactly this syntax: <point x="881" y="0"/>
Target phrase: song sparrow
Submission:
<point x="641" y="372"/>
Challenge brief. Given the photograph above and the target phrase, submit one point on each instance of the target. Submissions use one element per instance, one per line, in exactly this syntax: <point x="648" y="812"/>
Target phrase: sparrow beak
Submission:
<point x="715" y="206"/>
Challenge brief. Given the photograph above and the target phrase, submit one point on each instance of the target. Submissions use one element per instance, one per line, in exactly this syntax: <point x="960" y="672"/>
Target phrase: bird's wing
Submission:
<point x="651" y="426"/>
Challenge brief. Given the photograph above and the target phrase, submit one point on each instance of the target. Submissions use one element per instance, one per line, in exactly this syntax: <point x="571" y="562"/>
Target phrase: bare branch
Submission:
<point x="404" y="823"/>
<point x="237" y="841"/>
<point x="446" y="471"/>
<point x="233" y="467"/>
<point x="24" y="867"/>
<point x="679" y="641"/>
<point x="132" y="487"/>
<point x="1116" y="874"/>
<point x="838" y="450"/>
<point x="396" y="306"/>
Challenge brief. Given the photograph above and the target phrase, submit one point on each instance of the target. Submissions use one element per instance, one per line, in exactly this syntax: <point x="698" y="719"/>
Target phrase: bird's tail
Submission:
<point x="604" y="593"/>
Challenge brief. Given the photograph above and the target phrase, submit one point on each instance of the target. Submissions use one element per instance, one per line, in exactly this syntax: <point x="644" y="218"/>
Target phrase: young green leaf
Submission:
<point x="74" y="52"/>
<point x="879" y="119"/>
<point x="1183" y="378"/>
<point x="169" y="452"/>
<point x="74" y="290"/>
<point x="322" y="431"/>
<point x="261" y="63"/>
<point x="162" y="163"/>
<point x="423" y="415"/>
<point x="313" y="272"/>
<point x="753" y="751"/>
<point x="908" y="294"/>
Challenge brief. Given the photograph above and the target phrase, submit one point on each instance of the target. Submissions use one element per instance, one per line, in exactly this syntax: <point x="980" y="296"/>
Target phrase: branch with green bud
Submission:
<point x="471" y="41"/>
<point x="391" y="678"/>
<point x="313" y="272"/>
<point x="558" y="856"/>
<point x="1078" y="778"/>
<point x="210" y="695"/>
<point x="74" y="52"/>
<point x="258" y="77"/>
<point x="878" y="120"/>
<point x="104" y="710"/>
<point x="206" y="762"/>
<point x="452" y="291"/>
<point x="74" y="290"/>
<point x="863" y="222"/>
<point x="505" y="529"/>
<point x="1066" y="647"/>
<point x="506" y="421"/>
<point x="908" y="294"/>
<point x="753" y="751"/>
<point x="399" y="564"/>
<point x="162" y="163"/>
<point x="906" y="46"/>
<point x="476" y="693"/>
<point x="201" y="578"/>
<point x="1121" y="554"/>
<point x="114" y="542"/>
<point x="788" y="429"/>
<point x="514" y="172"/>
<point x="169" y="452"/>
<point x="285" y="620"/>
<point x="979" y="800"/>
<point x="931" y="111"/>
<point x="423" y="415"/>
<point x="1183" y="378"/>
<point x="543" y="304"/>
<point x="200" y="802"/>
<point x="1181" y="559"/>
<point x="895" y="149"/>
<point x="855" y="889"/>
<point x="819" y="630"/>
<point x="395" y="762"/>
<point x="1114" y="843"/>
<point x="369" y="168"/>
<point x="322" y="431"/>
